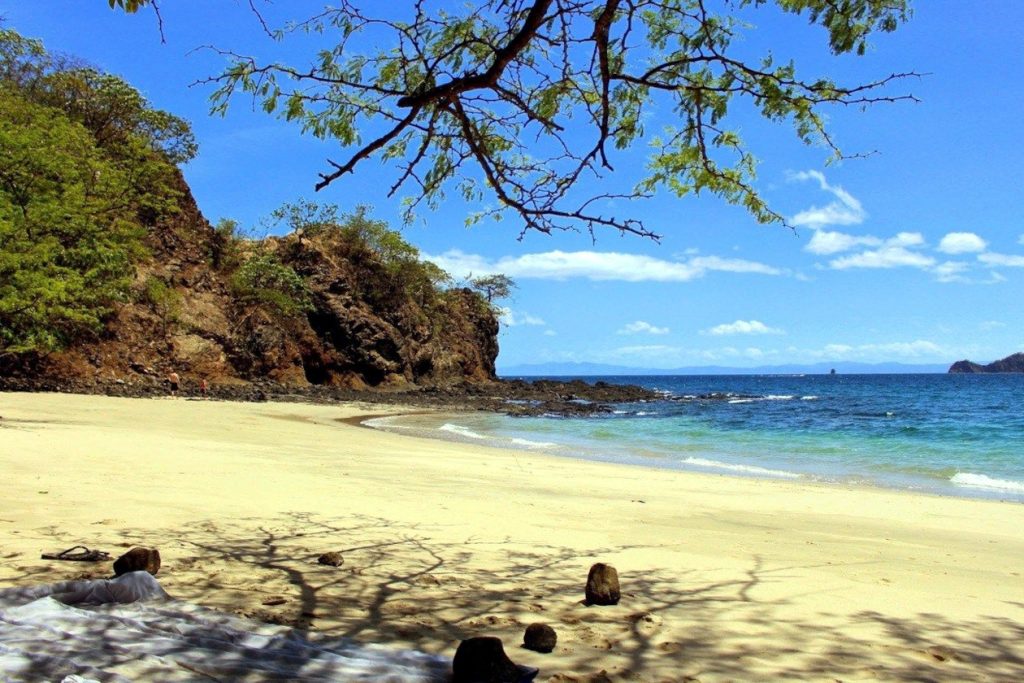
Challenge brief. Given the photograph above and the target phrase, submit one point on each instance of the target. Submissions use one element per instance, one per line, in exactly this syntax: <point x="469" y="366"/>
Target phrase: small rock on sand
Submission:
<point x="540" y="638"/>
<point x="602" y="585"/>
<point x="138" y="559"/>
<point x="332" y="559"/>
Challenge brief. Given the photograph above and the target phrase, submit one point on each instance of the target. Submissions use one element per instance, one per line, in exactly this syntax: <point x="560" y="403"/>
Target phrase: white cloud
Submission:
<point x="906" y="239"/>
<point x="550" y="333"/>
<point x="593" y="265"/>
<point x="894" y="253"/>
<point x="742" y="327"/>
<point x="642" y="327"/>
<point x="1008" y="260"/>
<point x="914" y="350"/>
<point x="510" y="318"/>
<point x="962" y="243"/>
<point x="992" y="325"/>
<point x="951" y="271"/>
<point x="828" y="242"/>
<point x="845" y="210"/>
<point x="1020" y="240"/>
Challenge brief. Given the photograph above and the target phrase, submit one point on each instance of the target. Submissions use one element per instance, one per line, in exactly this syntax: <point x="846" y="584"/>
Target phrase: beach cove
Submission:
<point x="723" y="578"/>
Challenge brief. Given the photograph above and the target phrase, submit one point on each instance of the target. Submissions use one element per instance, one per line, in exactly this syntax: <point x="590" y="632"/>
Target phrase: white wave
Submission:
<point x="526" y="443"/>
<point x="460" y="430"/>
<point x="779" y="397"/>
<point x="746" y="469"/>
<point x="742" y="400"/>
<point x="620" y="412"/>
<point x="808" y="398"/>
<point x="642" y="413"/>
<point x="386" y="421"/>
<point x="981" y="481"/>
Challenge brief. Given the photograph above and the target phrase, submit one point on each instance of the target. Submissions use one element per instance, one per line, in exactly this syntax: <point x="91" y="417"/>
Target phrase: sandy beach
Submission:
<point x="723" y="578"/>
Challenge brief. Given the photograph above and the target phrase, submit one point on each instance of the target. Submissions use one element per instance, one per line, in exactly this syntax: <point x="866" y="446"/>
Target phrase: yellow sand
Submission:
<point x="723" y="578"/>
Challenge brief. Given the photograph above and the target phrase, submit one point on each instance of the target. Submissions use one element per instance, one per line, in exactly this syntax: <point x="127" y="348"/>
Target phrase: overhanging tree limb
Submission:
<point x="526" y="102"/>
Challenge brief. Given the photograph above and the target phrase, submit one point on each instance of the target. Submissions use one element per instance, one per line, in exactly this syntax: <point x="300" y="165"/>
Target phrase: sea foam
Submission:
<point x="745" y="469"/>
<point x="460" y="430"/>
<point x="981" y="481"/>
<point x="526" y="443"/>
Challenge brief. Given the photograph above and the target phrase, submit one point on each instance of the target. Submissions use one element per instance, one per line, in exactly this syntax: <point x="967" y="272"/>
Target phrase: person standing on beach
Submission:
<point x="173" y="380"/>
<point x="203" y="388"/>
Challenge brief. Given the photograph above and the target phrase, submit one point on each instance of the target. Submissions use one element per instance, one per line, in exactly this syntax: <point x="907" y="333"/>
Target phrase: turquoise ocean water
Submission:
<point x="957" y="435"/>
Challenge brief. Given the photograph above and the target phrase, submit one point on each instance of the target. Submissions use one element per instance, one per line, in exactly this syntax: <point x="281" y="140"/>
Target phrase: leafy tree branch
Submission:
<point x="522" y="106"/>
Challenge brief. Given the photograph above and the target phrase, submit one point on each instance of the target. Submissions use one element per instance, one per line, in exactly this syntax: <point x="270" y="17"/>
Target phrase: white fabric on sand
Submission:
<point x="156" y="638"/>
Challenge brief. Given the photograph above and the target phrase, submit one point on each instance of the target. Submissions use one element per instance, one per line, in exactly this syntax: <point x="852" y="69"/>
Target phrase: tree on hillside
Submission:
<point x="68" y="244"/>
<point x="117" y="115"/>
<point x="493" y="287"/>
<point x="86" y="165"/>
<point x="525" y="106"/>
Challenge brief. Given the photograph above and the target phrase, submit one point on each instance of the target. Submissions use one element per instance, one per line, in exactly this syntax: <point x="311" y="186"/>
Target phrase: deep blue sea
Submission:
<point x="957" y="435"/>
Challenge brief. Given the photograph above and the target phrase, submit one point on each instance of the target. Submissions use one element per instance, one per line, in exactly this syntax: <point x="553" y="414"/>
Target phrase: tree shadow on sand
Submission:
<point x="401" y="585"/>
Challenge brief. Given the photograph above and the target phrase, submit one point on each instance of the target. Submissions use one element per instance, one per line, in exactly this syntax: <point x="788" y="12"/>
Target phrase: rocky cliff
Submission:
<point x="360" y="329"/>
<point x="1012" y="363"/>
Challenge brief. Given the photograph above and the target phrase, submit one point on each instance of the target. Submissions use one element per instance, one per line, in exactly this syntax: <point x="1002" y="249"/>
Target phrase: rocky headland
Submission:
<point x="368" y="332"/>
<point x="1012" y="363"/>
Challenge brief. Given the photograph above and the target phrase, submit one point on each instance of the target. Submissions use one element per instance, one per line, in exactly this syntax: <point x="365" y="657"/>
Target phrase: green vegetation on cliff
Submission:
<point x="109" y="271"/>
<point x="85" y="166"/>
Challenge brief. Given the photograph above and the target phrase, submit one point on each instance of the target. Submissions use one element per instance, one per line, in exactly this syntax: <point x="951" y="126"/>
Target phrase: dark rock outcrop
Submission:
<point x="1012" y="363"/>
<point x="483" y="660"/>
<point x="138" y="559"/>
<point x="602" y="585"/>
<point x="540" y="638"/>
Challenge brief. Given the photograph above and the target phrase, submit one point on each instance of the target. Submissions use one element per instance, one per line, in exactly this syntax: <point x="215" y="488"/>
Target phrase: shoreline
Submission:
<point x="656" y="463"/>
<point x="723" y="578"/>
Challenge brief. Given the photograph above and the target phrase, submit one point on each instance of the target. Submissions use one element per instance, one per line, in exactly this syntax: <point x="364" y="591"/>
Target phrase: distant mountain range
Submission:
<point x="599" y="369"/>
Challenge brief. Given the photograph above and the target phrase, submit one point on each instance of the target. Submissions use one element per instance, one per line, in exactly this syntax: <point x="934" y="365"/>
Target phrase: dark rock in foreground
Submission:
<point x="138" y="559"/>
<point x="483" y="660"/>
<point x="540" y="638"/>
<point x="602" y="585"/>
<point x="1012" y="363"/>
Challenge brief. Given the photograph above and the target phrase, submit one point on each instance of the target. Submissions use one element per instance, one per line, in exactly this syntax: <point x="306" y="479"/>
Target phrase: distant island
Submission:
<point x="1012" y="363"/>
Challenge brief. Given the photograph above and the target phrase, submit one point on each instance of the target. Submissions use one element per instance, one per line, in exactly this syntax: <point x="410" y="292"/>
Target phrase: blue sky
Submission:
<point x="914" y="254"/>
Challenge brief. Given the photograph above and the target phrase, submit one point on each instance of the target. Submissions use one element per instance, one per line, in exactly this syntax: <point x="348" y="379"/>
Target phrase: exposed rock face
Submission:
<point x="1012" y="363"/>
<point x="138" y="559"/>
<point x="602" y="585"/>
<point x="357" y="335"/>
